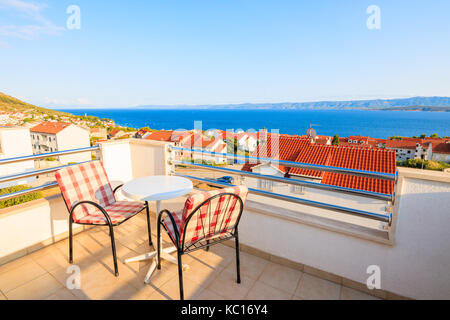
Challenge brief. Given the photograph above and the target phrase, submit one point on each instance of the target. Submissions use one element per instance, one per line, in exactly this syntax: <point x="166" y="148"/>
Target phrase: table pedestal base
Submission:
<point x="165" y="254"/>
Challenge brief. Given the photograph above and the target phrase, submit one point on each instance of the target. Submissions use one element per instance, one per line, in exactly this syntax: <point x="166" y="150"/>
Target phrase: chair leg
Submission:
<point x="180" y="275"/>
<point x="238" y="267"/>
<point x="207" y="247"/>
<point x="70" y="241"/>
<point x="158" y="244"/>
<point x="148" y="225"/>
<point x="113" y="246"/>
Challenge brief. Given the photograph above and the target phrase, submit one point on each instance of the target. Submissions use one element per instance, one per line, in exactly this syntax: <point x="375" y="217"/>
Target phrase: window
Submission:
<point x="297" y="189"/>
<point x="265" y="185"/>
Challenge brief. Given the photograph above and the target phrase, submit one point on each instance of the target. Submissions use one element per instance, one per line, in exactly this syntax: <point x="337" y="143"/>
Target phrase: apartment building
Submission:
<point x="49" y="137"/>
<point x="410" y="148"/>
<point x="441" y="151"/>
<point x="15" y="142"/>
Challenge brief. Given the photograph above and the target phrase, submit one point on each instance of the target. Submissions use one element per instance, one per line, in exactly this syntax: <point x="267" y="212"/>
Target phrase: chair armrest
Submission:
<point x="117" y="188"/>
<point x="175" y="228"/>
<point x="108" y="219"/>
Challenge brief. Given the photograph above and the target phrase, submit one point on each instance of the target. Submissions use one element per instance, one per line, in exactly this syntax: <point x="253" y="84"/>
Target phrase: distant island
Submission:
<point x="419" y="108"/>
<point x="406" y="104"/>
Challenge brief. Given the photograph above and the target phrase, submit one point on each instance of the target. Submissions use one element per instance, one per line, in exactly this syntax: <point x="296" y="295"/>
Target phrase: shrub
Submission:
<point x="20" y="199"/>
<point x="427" y="164"/>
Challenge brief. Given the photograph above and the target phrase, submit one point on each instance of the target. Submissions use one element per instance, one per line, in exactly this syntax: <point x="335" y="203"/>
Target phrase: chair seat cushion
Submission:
<point x="178" y="217"/>
<point x="118" y="212"/>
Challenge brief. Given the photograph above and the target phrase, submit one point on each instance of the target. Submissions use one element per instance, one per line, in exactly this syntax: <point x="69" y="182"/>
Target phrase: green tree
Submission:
<point x="434" y="135"/>
<point x="423" y="136"/>
<point x="20" y="199"/>
<point x="335" y="141"/>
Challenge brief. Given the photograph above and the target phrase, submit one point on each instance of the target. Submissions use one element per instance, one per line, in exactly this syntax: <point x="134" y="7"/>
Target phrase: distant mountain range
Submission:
<point x="406" y="104"/>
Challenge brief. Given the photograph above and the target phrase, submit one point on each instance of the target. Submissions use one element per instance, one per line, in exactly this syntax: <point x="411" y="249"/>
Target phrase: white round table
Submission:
<point x="156" y="188"/>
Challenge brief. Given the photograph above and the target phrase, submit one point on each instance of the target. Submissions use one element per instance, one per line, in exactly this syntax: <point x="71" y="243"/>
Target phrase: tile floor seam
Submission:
<point x="270" y="285"/>
<point x="299" y="283"/>
<point x="254" y="284"/>
<point x="41" y="276"/>
<point x="262" y="272"/>
<point x="340" y="292"/>
<point x="57" y="280"/>
<point x="5" y="292"/>
<point x="14" y="261"/>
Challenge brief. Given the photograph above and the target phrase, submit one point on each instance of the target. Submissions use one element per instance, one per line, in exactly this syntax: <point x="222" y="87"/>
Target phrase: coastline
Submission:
<point x="377" y="123"/>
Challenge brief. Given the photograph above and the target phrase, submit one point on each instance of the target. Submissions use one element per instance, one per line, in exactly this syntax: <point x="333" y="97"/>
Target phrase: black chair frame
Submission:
<point x="109" y="224"/>
<point x="202" y="242"/>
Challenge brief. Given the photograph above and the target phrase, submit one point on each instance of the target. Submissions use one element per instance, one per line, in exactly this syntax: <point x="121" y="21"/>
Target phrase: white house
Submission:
<point x="49" y="137"/>
<point x="15" y="142"/>
<point x="247" y="141"/>
<point x="441" y="151"/>
<point x="212" y="145"/>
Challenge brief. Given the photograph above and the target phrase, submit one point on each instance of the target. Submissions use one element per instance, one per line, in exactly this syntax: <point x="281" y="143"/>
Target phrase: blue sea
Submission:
<point x="377" y="124"/>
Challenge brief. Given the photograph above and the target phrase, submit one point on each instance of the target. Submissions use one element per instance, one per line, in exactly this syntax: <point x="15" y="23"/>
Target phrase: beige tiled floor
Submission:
<point x="212" y="275"/>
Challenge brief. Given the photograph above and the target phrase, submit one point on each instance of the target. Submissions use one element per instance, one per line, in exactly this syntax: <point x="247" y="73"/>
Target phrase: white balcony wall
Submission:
<point x="31" y="226"/>
<point x="125" y="160"/>
<point x="414" y="265"/>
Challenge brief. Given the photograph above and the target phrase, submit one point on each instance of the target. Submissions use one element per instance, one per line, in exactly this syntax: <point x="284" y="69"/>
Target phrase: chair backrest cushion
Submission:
<point x="215" y="217"/>
<point x="85" y="182"/>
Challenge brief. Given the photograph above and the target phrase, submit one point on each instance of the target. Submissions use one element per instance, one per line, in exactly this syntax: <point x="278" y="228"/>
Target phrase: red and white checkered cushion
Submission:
<point x="89" y="182"/>
<point x="213" y="219"/>
<point x="118" y="212"/>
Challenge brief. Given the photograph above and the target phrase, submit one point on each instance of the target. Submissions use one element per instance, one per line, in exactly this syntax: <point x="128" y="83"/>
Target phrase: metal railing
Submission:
<point x="300" y="165"/>
<point x="35" y="173"/>
<point x="351" y="211"/>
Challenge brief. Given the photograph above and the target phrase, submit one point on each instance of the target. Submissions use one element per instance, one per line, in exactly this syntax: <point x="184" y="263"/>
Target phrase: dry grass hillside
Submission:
<point x="11" y="104"/>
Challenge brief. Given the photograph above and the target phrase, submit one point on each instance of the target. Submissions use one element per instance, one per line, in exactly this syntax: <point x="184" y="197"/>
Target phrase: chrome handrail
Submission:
<point x="346" y="210"/>
<point x="48" y="155"/>
<point x="303" y="183"/>
<point x="27" y="191"/>
<point x="34" y="173"/>
<point x="300" y="165"/>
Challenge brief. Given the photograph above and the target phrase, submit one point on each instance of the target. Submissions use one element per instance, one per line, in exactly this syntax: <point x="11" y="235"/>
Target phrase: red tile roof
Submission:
<point x="50" y="127"/>
<point x="401" y="144"/>
<point x="282" y="147"/>
<point x="113" y="132"/>
<point x="443" y="147"/>
<point x="362" y="158"/>
<point x="160" y="136"/>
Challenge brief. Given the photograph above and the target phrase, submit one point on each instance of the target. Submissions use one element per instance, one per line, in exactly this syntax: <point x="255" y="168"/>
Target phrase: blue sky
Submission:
<point x="222" y="51"/>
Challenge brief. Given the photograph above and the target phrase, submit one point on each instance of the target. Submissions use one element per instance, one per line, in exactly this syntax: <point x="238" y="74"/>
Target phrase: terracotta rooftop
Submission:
<point x="50" y="127"/>
<point x="443" y="147"/>
<point x="113" y="132"/>
<point x="401" y="144"/>
<point x="301" y="150"/>
<point x="160" y="136"/>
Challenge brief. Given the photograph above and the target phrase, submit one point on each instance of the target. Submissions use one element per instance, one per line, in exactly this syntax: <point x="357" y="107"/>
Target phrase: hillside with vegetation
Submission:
<point x="11" y="104"/>
<point x="28" y="113"/>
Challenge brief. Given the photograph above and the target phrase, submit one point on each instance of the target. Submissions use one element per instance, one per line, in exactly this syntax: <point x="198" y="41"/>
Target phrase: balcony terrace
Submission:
<point x="211" y="275"/>
<point x="313" y="246"/>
